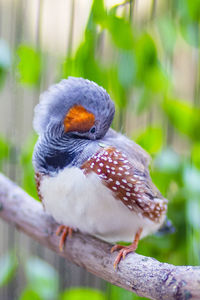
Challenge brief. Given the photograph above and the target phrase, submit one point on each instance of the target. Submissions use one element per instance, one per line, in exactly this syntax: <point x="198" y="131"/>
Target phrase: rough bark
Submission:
<point x="142" y="275"/>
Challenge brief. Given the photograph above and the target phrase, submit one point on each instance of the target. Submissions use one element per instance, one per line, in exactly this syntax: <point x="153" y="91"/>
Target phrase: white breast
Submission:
<point x="83" y="202"/>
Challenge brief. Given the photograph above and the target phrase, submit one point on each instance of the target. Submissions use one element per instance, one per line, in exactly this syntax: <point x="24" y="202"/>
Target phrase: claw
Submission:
<point x="60" y="229"/>
<point x="64" y="231"/>
<point x="115" y="248"/>
<point x="124" y="250"/>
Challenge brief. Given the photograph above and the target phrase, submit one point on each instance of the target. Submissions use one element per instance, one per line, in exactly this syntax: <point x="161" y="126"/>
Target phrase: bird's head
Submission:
<point x="75" y="107"/>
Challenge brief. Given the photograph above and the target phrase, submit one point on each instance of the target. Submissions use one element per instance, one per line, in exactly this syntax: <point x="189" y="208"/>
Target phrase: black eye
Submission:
<point x="92" y="130"/>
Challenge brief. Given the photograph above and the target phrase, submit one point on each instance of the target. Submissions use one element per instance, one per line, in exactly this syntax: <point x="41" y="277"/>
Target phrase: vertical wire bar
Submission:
<point x="38" y="24"/>
<point x="71" y="29"/>
<point x="131" y="5"/>
<point x="38" y="46"/>
<point x="16" y="31"/>
<point x="170" y="134"/>
<point x="153" y="9"/>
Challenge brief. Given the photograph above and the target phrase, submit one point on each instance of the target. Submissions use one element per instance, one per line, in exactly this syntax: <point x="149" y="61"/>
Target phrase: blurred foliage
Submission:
<point x="28" y="294"/>
<point x="137" y="70"/>
<point x="117" y="293"/>
<point x="184" y="117"/>
<point x="42" y="282"/>
<point x="151" y="139"/>
<point x="8" y="266"/>
<point x="5" y="150"/>
<point x="42" y="278"/>
<point x="29" y="65"/>
<point x="82" y="294"/>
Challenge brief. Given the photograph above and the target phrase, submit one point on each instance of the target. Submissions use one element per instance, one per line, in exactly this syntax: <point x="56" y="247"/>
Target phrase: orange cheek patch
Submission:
<point x="78" y="119"/>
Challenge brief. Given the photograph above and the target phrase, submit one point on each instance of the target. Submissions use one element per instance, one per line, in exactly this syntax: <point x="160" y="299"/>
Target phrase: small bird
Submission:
<point x="89" y="177"/>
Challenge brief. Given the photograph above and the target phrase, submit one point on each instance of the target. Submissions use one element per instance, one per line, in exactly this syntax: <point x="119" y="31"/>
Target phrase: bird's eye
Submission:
<point x="92" y="130"/>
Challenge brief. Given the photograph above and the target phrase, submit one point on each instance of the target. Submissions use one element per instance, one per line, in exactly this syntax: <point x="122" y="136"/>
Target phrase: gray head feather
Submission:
<point x="59" y="98"/>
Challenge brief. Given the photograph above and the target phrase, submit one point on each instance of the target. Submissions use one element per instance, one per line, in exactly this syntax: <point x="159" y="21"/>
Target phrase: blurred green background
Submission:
<point x="146" y="54"/>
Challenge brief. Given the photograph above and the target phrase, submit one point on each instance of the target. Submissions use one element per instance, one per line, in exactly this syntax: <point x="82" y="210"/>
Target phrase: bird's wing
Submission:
<point x="129" y="184"/>
<point x="38" y="178"/>
<point x="129" y="147"/>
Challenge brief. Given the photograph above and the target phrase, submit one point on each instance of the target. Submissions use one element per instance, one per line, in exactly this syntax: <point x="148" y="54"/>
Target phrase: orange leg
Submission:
<point x="64" y="231"/>
<point x="124" y="250"/>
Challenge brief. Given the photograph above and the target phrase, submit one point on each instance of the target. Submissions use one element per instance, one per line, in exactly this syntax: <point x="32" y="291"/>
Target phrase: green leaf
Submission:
<point x="189" y="16"/>
<point x="30" y="65"/>
<point x="146" y="54"/>
<point x="42" y="278"/>
<point x="28" y="294"/>
<point x="190" y="32"/>
<point x="4" y="148"/>
<point x="68" y="67"/>
<point x="148" y="69"/>
<point x="99" y="12"/>
<point x="85" y="64"/>
<point x="151" y="139"/>
<point x="118" y="92"/>
<point x="184" y="117"/>
<point x="118" y="293"/>
<point x="188" y="11"/>
<point x="167" y="32"/>
<point x="144" y="100"/>
<point x="193" y="9"/>
<point x="121" y="32"/>
<point x="82" y="294"/>
<point x="126" y="69"/>
<point x="156" y="79"/>
<point x="8" y="267"/>
<point x="196" y="154"/>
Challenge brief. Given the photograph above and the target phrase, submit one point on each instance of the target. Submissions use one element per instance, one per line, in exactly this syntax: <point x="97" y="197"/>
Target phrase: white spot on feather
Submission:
<point x="124" y="180"/>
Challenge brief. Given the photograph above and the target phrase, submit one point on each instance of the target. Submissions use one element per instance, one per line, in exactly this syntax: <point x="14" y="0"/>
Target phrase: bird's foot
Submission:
<point x="124" y="250"/>
<point x="63" y="231"/>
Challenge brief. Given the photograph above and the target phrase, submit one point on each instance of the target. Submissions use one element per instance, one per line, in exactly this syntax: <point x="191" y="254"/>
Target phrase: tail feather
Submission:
<point x="167" y="228"/>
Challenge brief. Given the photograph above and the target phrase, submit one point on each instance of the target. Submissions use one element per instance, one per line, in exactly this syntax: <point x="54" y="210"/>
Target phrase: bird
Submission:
<point x="88" y="176"/>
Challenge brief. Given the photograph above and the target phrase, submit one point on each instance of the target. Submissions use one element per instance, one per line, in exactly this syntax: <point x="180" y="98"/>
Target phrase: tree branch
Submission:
<point x="142" y="275"/>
